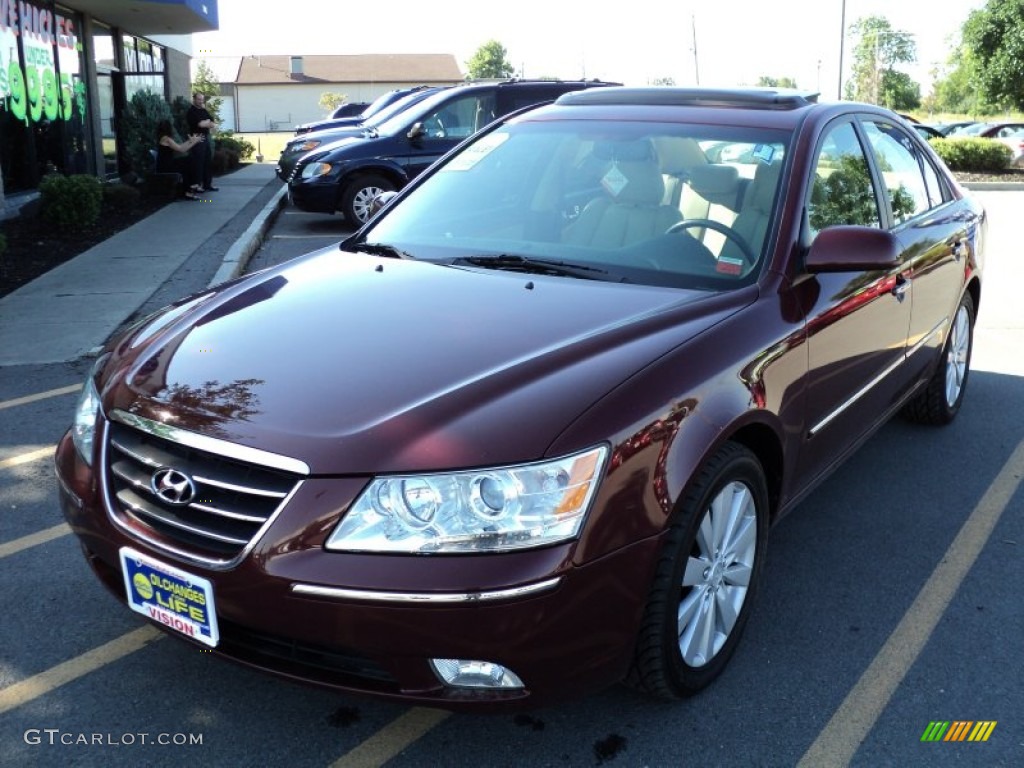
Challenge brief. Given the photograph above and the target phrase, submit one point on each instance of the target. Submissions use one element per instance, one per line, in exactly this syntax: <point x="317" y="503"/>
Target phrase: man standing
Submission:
<point x="200" y="121"/>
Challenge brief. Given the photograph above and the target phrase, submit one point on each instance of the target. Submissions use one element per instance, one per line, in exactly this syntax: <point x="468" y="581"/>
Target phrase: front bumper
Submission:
<point x="314" y="195"/>
<point x="343" y="620"/>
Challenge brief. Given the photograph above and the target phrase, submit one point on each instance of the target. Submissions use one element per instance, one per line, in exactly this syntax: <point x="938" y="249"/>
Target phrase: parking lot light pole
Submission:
<point x="842" y="42"/>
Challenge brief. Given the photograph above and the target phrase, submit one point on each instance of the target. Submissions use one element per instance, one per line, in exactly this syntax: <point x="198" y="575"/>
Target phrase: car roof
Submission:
<point x="776" y="108"/>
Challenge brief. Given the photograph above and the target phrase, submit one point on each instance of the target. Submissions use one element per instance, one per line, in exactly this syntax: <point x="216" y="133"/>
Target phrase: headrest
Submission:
<point x="635" y="182"/>
<point x="677" y="154"/>
<point x="624" y="150"/>
<point x="761" y="194"/>
<point x="716" y="183"/>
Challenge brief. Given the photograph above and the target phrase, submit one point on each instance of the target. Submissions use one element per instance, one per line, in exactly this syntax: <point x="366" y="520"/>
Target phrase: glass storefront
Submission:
<point x="44" y="121"/>
<point x="42" y="94"/>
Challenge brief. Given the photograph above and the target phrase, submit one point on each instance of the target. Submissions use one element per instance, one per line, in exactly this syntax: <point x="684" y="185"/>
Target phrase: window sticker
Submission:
<point x="614" y="181"/>
<point x="764" y="153"/>
<point x="469" y="157"/>
<point x="729" y="266"/>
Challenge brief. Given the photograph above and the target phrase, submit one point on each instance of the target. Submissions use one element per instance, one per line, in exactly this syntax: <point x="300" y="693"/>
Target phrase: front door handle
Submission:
<point x="900" y="289"/>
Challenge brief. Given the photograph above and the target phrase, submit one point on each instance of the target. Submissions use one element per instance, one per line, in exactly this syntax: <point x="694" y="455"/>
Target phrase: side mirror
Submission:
<point x="415" y="132"/>
<point x="846" y="248"/>
<point x="380" y="201"/>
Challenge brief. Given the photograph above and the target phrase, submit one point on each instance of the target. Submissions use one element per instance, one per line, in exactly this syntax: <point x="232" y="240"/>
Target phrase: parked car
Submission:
<point x="952" y="129"/>
<point x="927" y="132"/>
<point x="307" y="142"/>
<point x="523" y="435"/>
<point x="350" y="109"/>
<point x="340" y="121"/>
<point x="346" y="176"/>
<point x="1016" y="145"/>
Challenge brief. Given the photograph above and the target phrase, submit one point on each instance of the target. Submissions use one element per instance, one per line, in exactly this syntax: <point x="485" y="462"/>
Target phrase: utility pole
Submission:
<point x="842" y="43"/>
<point x="696" y="66"/>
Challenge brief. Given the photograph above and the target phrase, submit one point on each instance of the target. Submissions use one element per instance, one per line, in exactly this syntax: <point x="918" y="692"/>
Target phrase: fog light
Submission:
<point x="466" y="673"/>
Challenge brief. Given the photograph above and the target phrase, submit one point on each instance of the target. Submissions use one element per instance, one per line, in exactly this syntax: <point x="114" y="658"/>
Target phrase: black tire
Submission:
<point x="359" y="194"/>
<point x="939" y="402"/>
<point x="660" y="665"/>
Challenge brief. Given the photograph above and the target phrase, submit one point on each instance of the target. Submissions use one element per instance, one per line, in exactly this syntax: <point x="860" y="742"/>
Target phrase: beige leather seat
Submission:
<point x="633" y="210"/>
<point x="754" y="219"/>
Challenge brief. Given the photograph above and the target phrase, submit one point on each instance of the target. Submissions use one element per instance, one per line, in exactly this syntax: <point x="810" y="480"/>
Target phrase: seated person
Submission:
<point x="172" y="157"/>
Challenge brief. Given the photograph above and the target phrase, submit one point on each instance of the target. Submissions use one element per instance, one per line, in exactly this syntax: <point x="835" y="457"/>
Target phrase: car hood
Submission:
<point x="360" y="364"/>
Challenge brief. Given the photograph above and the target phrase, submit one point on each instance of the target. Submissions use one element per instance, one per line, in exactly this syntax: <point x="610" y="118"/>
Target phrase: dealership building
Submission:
<point x="68" y="69"/>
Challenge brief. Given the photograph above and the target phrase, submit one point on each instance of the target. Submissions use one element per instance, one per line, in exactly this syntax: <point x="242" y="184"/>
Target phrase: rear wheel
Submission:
<point x="706" y="578"/>
<point x="939" y="402"/>
<point x="359" y="196"/>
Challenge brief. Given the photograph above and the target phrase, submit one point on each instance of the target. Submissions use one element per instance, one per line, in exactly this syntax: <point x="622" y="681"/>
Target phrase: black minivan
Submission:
<point x="348" y="174"/>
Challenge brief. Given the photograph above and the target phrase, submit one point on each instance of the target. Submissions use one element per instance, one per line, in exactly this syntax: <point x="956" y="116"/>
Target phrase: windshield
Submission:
<point x="376" y="120"/>
<point x="650" y="203"/>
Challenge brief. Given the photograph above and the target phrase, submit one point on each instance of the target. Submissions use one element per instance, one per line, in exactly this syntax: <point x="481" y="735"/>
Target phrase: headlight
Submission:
<point x="303" y="146"/>
<point x="486" y="510"/>
<point x="315" y="169"/>
<point x="87" y="410"/>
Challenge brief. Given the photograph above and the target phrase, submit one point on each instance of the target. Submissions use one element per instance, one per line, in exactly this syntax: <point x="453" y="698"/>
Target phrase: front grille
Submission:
<point x="232" y="501"/>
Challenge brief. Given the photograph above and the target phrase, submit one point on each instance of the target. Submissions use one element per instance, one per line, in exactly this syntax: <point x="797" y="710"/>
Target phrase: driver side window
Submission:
<point x="841" y="189"/>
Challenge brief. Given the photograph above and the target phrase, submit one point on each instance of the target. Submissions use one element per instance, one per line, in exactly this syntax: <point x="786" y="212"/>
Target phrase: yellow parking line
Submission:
<point x="15" y="695"/>
<point x="839" y="740"/>
<point x="39" y="396"/>
<point x="392" y="739"/>
<point x="40" y="537"/>
<point x="25" y="458"/>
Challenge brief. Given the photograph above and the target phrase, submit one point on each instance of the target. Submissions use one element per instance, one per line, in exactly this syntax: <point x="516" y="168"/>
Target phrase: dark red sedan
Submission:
<point x="524" y="434"/>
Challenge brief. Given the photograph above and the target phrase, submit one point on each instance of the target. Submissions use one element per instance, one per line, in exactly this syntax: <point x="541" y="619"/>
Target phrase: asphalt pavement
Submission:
<point x="72" y="310"/>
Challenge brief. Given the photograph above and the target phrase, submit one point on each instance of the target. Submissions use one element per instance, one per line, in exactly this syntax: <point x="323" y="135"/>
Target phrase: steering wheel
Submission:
<point x="728" y="232"/>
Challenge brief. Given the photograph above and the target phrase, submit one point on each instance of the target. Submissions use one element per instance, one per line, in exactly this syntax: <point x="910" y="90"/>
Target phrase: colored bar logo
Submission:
<point x="958" y="730"/>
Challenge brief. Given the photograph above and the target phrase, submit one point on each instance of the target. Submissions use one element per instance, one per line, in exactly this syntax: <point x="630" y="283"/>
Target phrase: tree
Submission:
<point x="206" y="83"/>
<point x="875" y="79"/>
<point x="959" y="89"/>
<point x="776" y="82"/>
<point x="489" y="61"/>
<point x="331" y="101"/>
<point x="995" y="36"/>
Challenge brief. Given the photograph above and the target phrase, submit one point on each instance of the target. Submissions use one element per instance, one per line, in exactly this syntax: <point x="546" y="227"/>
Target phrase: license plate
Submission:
<point x="170" y="596"/>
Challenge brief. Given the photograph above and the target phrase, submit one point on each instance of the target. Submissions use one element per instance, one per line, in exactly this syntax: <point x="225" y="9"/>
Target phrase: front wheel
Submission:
<point x="940" y="400"/>
<point x="706" y="578"/>
<point x="357" y="202"/>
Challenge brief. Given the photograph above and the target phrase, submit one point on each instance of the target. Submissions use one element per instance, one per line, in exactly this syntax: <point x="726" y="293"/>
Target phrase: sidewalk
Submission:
<point x="74" y="308"/>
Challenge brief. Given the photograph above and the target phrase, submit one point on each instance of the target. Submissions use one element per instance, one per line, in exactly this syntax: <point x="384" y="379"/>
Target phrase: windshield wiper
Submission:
<point x="381" y="249"/>
<point x="531" y="265"/>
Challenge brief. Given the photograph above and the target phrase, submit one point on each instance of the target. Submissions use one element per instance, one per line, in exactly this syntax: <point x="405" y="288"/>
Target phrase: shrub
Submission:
<point x="121" y="197"/>
<point x="972" y="154"/>
<point x="224" y="160"/>
<point x="70" y="203"/>
<point x="3" y="245"/>
<point x="240" y="146"/>
<point x="137" y="129"/>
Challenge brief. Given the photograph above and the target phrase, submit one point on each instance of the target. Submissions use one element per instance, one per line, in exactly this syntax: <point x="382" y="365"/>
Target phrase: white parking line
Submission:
<point x="34" y="539"/>
<point x="852" y="722"/>
<point x="14" y="696"/>
<point x="392" y="739"/>
<point x="39" y="396"/>
<point x="25" y="458"/>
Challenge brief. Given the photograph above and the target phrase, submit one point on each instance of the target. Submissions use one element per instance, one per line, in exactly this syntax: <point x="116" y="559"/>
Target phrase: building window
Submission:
<point x="42" y="94"/>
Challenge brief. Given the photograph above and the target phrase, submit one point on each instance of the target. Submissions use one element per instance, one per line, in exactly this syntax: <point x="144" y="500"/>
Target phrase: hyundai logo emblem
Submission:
<point x="173" y="487"/>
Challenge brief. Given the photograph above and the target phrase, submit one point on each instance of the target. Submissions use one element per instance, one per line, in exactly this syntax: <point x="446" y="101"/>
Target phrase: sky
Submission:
<point x="737" y="41"/>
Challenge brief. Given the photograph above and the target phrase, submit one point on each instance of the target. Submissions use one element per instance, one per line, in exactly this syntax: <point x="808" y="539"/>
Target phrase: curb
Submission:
<point x="993" y="186"/>
<point x="238" y="255"/>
